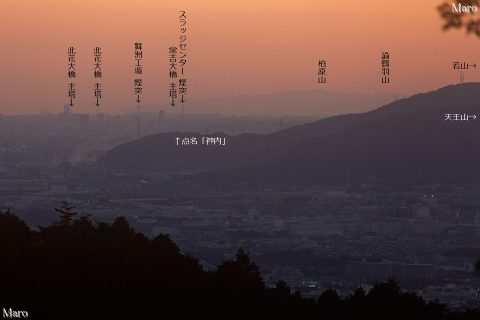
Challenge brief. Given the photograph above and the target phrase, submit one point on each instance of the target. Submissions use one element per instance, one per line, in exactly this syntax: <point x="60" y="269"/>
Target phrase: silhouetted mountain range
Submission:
<point x="406" y="141"/>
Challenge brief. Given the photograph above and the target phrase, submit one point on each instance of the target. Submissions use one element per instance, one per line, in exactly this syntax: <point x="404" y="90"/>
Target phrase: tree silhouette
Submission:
<point x="67" y="213"/>
<point x="239" y="275"/>
<point x="460" y="20"/>
<point x="79" y="269"/>
<point x="15" y="235"/>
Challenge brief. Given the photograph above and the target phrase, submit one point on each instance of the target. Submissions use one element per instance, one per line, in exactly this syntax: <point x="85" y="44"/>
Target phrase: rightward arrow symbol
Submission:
<point x="138" y="98"/>
<point x="173" y="103"/>
<point x="472" y="65"/>
<point x="183" y="100"/>
<point x="71" y="102"/>
<point x="97" y="104"/>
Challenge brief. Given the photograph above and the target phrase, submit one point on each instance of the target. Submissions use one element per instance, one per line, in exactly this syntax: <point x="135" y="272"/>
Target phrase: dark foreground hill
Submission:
<point x="78" y="269"/>
<point x="408" y="140"/>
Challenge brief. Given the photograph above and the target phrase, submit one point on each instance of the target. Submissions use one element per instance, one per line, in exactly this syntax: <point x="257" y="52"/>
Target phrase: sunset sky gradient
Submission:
<point x="234" y="47"/>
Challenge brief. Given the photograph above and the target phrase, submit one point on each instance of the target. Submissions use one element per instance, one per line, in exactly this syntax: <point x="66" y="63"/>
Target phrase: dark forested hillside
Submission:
<point x="80" y="269"/>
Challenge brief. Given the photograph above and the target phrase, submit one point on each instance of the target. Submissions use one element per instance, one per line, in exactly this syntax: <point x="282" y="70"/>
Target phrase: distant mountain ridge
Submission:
<point x="317" y="103"/>
<point x="407" y="140"/>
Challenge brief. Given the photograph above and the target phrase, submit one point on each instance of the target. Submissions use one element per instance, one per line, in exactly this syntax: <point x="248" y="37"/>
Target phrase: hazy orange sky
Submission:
<point x="234" y="47"/>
